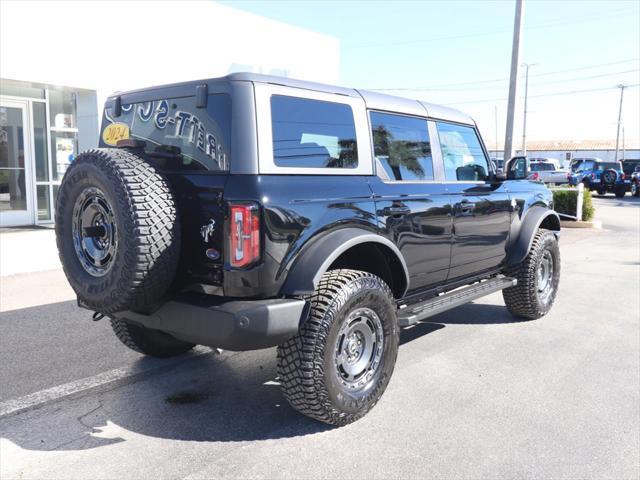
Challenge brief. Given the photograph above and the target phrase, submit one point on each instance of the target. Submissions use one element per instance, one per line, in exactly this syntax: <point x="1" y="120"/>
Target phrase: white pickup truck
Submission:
<point x="547" y="172"/>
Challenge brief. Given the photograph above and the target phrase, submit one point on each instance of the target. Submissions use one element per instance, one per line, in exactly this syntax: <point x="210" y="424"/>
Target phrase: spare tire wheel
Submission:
<point x="117" y="231"/>
<point x="609" y="177"/>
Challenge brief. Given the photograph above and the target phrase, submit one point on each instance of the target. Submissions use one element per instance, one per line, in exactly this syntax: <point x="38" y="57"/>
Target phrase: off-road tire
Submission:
<point x="620" y="191"/>
<point x="635" y="189"/>
<point x="148" y="230"/>
<point x="307" y="374"/>
<point x="523" y="300"/>
<point x="601" y="191"/>
<point x="147" y="341"/>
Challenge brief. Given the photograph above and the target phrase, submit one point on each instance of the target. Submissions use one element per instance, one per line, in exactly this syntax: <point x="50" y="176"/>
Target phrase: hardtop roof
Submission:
<point x="373" y="100"/>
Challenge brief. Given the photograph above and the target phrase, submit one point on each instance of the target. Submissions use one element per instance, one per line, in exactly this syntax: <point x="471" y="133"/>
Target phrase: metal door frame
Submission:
<point x="30" y="217"/>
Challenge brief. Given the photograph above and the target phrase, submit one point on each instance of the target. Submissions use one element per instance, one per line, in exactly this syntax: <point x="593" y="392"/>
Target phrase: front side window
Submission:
<point x="312" y="133"/>
<point x="586" y="165"/>
<point x="401" y="147"/>
<point x="462" y="154"/>
<point x="178" y="134"/>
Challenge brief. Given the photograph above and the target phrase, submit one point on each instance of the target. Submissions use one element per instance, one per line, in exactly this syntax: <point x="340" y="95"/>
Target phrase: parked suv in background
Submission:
<point x="601" y="176"/>
<point x="250" y="211"/>
<point x="631" y="169"/>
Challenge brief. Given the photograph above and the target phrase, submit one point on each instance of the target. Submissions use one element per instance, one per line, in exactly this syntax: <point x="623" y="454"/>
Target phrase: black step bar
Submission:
<point x="413" y="314"/>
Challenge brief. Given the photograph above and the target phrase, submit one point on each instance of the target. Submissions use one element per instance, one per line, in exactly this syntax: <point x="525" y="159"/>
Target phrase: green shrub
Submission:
<point x="564" y="201"/>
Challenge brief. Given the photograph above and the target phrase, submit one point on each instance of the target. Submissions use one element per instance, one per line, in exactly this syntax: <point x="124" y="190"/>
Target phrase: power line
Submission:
<point x="564" y="80"/>
<point x="438" y="87"/>
<point x="553" y="94"/>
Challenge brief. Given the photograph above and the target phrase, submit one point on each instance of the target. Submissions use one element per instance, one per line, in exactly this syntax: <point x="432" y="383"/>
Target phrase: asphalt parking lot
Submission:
<point x="475" y="394"/>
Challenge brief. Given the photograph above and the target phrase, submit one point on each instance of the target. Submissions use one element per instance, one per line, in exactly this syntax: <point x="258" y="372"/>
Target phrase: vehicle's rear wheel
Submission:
<point x="620" y="191"/>
<point x="538" y="278"/>
<point x="340" y="363"/>
<point x="117" y="230"/>
<point x="147" y="341"/>
<point x="601" y="191"/>
<point x="635" y="190"/>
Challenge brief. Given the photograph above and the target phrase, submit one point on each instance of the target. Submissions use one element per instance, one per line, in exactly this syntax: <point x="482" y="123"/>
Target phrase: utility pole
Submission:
<point x="496" y="147"/>
<point x="526" y="95"/>
<point x="621" y="87"/>
<point x="513" y="82"/>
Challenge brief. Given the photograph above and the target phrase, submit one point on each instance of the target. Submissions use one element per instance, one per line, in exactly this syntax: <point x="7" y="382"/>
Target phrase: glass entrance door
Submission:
<point x="16" y="190"/>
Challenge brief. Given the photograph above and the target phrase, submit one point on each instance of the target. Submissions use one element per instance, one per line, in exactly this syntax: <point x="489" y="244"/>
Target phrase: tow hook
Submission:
<point x="97" y="316"/>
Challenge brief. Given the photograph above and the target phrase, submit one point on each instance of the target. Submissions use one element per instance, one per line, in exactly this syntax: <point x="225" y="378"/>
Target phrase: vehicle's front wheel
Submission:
<point x="339" y="364"/>
<point x="147" y="341"/>
<point x="538" y="278"/>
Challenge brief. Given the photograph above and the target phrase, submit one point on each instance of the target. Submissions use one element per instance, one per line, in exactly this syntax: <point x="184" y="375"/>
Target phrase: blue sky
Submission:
<point x="458" y="53"/>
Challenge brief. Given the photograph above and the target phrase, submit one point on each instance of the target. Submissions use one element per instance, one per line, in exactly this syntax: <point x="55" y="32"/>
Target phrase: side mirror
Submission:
<point x="517" y="168"/>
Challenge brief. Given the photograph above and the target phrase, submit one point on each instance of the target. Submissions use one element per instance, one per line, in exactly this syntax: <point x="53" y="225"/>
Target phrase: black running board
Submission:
<point x="415" y="313"/>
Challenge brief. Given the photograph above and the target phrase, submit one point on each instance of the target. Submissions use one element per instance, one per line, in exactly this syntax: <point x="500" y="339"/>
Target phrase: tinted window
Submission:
<point x="586" y="165"/>
<point x="178" y="135"/>
<point x="401" y="147"/>
<point x="629" y="166"/>
<point x="462" y="153"/>
<point x="312" y="133"/>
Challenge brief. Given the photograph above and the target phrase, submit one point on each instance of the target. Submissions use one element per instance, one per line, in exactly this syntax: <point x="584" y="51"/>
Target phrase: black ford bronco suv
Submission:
<point x="250" y="211"/>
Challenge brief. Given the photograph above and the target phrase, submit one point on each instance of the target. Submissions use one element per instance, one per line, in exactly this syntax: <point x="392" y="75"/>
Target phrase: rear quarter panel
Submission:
<point x="295" y="209"/>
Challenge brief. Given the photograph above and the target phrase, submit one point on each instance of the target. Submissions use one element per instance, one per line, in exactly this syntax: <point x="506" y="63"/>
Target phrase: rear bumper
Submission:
<point x="221" y="323"/>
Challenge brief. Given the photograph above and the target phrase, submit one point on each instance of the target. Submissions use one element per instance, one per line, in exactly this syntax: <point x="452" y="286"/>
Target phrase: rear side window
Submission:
<point x="401" y="147"/>
<point x="312" y="133"/>
<point x="541" y="167"/>
<point x="462" y="154"/>
<point x="178" y="135"/>
<point x="600" y="167"/>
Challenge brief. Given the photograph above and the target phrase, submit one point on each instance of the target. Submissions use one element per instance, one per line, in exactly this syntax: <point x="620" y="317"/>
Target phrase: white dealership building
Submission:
<point x="59" y="60"/>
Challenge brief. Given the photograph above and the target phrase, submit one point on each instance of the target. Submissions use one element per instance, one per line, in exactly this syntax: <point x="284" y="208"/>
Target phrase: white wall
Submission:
<point x="109" y="45"/>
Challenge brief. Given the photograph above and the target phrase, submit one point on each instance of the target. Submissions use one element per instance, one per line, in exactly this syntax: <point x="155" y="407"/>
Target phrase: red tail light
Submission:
<point x="593" y="176"/>
<point x="535" y="176"/>
<point x="622" y="176"/>
<point x="244" y="227"/>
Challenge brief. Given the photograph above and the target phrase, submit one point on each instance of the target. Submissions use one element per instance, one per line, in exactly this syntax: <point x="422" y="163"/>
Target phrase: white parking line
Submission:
<point x="111" y="378"/>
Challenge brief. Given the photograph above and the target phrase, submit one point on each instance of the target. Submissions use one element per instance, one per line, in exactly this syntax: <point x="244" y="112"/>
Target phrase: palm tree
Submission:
<point x="403" y="153"/>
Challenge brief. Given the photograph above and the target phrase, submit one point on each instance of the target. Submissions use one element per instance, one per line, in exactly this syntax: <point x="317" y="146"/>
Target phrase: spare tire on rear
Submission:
<point x="117" y="230"/>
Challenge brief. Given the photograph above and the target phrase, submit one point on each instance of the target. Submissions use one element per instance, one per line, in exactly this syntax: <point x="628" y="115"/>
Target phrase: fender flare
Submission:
<point x="530" y="224"/>
<point x="304" y="276"/>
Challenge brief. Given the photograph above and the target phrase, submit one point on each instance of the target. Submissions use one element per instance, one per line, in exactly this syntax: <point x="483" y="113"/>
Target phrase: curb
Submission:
<point x="571" y="224"/>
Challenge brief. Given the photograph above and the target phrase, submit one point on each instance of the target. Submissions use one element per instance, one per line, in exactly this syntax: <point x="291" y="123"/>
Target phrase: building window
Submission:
<point x="21" y="89"/>
<point x="64" y="131"/>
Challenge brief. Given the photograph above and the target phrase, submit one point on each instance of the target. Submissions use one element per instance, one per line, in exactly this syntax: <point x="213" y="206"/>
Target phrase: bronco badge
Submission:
<point x="207" y="230"/>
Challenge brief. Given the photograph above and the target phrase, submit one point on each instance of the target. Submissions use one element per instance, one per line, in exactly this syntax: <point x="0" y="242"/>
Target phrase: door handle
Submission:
<point x="396" y="211"/>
